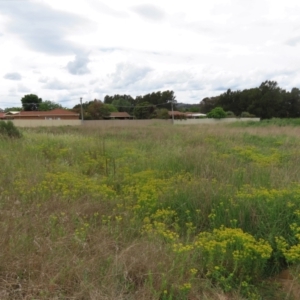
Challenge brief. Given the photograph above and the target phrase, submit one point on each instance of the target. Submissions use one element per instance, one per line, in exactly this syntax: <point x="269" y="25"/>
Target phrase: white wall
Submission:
<point x="213" y="121"/>
<point x="45" y="123"/>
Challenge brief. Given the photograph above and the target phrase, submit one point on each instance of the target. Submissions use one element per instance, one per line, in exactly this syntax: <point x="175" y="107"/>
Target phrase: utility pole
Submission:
<point x="172" y="112"/>
<point x="81" y="109"/>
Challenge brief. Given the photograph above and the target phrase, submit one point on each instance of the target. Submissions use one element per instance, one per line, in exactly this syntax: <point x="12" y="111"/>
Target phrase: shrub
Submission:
<point x="217" y="113"/>
<point x="230" y="114"/>
<point x="8" y="129"/>
<point x="245" y="114"/>
<point x="161" y="113"/>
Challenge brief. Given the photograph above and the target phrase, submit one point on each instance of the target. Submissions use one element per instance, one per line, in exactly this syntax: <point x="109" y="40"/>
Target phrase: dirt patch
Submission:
<point x="289" y="284"/>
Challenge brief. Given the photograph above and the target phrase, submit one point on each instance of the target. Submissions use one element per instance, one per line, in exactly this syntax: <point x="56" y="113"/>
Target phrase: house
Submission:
<point x="192" y="115"/>
<point x="55" y="114"/>
<point x="120" y="115"/>
<point x="177" y="114"/>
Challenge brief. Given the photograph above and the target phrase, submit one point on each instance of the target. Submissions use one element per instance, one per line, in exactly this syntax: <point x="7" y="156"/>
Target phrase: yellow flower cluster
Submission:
<point x="251" y="153"/>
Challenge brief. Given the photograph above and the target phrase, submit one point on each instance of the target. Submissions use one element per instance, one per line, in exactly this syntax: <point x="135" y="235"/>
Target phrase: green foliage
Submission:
<point x="266" y="101"/>
<point x="122" y="105"/>
<point x="31" y="102"/>
<point x="217" y="113"/>
<point x="163" y="99"/>
<point x="110" y="107"/>
<point x="8" y="129"/>
<point x="13" y="109"/>
<point x="48" y="105"/>
<point x="127" y="98"/>
<point x="207" y="104"/>
<point x="245" y="114"/>
<point x="269" y="122"/>
<point x="97" y="110"/>
<point x="230" y="114"/>
<point x="143" y="110"/>
<point x="162" y="113"/>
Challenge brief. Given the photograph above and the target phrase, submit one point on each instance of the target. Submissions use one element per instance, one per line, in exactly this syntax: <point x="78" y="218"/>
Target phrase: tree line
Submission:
<point x="266" y="101"/>
<point x="152" y="105"/>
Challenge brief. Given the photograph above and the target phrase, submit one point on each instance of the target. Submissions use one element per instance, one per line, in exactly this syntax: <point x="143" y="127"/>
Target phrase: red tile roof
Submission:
<point x="176" y="113"/>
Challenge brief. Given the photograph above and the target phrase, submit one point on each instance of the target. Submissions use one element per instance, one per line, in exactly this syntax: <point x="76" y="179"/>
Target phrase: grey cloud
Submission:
<point x="127" y="74"/>
<point x="150" y="12"/>
<point x="79" y="65"/>
<point x="41" y="27"/>
<point x="293" y="42"/>
<point x="13" y="76"/>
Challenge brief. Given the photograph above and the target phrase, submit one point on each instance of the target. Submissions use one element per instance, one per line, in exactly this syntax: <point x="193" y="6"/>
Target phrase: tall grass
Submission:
<point x="165" y="212"/>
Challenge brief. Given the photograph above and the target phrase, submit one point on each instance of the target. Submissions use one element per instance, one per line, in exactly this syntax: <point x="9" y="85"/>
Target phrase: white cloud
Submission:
<point x="197" y="49"/>
<point x="127" y="74"/>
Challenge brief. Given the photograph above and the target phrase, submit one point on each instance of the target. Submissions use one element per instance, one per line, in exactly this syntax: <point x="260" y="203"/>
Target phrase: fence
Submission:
<point x="45" y="123"/>
<point x="213" y="121"/>
<point x="125" y="123"/>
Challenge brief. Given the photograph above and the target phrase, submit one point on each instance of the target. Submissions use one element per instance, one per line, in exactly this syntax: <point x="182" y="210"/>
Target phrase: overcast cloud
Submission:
<point x="13" y="76"/>
<point x="89" y="48"/>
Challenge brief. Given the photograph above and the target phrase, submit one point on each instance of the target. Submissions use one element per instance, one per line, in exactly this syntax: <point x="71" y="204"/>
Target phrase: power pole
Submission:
<point x="81" y="109"/>
<point x="172" y="112"/>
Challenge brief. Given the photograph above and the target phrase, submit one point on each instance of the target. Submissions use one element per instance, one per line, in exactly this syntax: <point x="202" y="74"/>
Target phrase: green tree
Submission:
<point x="97" y="110"/>
<point x="143" y="110"/>
<point x="110" y="107"/>
<point x="162" y="113"/>
<point x="270" y="103"/>
<point x="109" y="99"/>
<point x="217" y="113"/>
<point x="207" y="104"/>
<point x="13" y="109"/>
<point x="48" y="105"/>
<point x="31" y="102"/>
<point x="159" y="99"/>
<point x="122" y="105"/>
<point x="292" y="103"/>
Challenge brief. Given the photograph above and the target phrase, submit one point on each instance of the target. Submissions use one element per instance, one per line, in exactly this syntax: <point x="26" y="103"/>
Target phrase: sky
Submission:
<point x="65" y="50"/>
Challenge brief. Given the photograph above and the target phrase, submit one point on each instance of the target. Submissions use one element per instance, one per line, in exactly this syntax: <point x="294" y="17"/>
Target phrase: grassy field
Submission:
<point x="157" y="212"/>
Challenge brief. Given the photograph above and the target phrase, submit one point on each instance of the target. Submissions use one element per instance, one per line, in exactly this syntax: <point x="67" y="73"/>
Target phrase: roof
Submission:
<point x="195" y="114"/>
<point x="2" y="115"/>
<point x="176" y="113"/>
<point x="12" y="112"/>
<point x="120" y="115"/>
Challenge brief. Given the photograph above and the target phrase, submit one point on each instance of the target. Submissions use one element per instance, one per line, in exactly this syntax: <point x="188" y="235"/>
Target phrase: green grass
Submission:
<point x="269" y="122"/>
<point x="159" y="212"/>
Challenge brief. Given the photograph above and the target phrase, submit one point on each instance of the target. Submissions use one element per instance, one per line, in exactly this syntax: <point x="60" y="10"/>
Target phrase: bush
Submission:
<point x="161" y="114"/>
<point x="8" y="129"/>
<point x="217" y="113"/>
<point x="245" y="114"/>
<point x="230" y="114"/>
